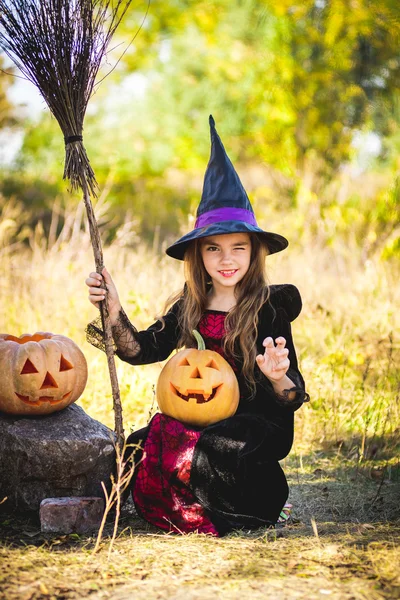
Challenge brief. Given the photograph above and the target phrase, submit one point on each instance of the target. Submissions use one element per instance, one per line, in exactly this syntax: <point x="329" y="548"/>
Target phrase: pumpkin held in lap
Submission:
<point x="40" y="373"/>
<point x="198" y="386"/>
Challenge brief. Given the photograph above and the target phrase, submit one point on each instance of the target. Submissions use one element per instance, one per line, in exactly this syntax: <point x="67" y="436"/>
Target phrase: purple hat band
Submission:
<point x="225" y="214"/>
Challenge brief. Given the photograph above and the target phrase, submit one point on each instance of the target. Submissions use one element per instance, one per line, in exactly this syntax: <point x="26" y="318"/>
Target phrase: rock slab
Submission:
<point x="63" y="454"/>
<point x="71" y="515"/>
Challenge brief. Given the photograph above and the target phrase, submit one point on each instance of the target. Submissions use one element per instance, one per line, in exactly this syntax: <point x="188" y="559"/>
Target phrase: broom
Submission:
<point x="59" y="46"/>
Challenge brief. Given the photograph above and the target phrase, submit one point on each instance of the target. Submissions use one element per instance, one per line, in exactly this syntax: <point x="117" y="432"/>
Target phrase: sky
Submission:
<point x="25" y="95"/>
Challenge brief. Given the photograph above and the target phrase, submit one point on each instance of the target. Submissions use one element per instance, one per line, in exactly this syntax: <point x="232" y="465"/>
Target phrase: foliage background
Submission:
<point x="305" y="96"/>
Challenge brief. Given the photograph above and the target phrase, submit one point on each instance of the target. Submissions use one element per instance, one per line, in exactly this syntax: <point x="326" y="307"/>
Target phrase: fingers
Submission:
<point x="282" y="365"/>
<point x="277" y="356"/>
<point x="97" y="278"/>
<point x="280" y="342"/>
<point x="96" y="292"/>
<point x="279" y="351"/>
<point x="260" y="359"/>
<point x="96" y="295"/>
<point x="281" y="354"/>
<point x="107" y="277"/>
<point x="268" y="343"/>
<point x="94" y="279"/>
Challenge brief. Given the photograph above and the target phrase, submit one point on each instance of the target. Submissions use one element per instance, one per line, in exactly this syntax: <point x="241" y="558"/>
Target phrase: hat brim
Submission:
<point x="273" y="241"/>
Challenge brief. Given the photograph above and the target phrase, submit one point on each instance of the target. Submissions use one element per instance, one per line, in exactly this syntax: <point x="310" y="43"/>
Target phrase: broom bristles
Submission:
<point x="59" y="46"/>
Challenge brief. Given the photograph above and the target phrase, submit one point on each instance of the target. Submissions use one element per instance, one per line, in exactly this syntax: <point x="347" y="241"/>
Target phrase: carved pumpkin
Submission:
<point x="40" y="373"/>
<point x="197" y="386"/>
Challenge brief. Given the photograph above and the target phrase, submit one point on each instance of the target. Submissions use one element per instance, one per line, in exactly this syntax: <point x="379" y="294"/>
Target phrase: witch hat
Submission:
<point x="224" y="206"/>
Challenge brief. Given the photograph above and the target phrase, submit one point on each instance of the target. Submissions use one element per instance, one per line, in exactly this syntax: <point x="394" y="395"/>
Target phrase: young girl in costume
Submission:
<point x="226" y="475"/>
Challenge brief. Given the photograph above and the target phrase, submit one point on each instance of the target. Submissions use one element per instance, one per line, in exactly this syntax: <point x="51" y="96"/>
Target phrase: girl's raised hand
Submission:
<point x="274" y="362"/>
<point x="97" y="293"/>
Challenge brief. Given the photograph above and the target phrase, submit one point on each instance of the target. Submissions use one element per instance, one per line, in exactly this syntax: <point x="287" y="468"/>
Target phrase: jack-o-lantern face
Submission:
<point x="41" y="373"/>
<point x="198" y="387"/>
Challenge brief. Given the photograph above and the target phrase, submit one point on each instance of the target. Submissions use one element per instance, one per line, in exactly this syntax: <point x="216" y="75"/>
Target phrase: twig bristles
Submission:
<point x="59" y="46"/>
<point x="125" y="468"/>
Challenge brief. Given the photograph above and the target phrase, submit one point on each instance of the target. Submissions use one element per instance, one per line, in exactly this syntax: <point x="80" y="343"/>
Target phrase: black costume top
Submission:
<point x="235" y="474"/>
<point x="284" y="305"/>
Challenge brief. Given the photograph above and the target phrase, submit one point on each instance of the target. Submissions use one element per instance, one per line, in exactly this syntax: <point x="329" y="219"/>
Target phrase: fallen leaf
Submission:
<point x="43" y="589"/>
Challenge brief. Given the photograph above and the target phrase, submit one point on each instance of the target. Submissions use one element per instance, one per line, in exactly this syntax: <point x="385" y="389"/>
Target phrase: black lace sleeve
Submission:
<point x="95" y="334"/>
<point x="140" y="347"/>
<point x="124" y="335"/>
<point x="301" y="394"/>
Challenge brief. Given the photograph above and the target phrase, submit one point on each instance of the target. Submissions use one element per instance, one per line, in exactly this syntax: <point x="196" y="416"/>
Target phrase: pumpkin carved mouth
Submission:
<point x="200" y="397"/>
<point x="42" y="399"/>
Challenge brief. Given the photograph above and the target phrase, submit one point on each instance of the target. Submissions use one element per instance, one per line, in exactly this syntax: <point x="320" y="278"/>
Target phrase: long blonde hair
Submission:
<point x="241" y="321"/>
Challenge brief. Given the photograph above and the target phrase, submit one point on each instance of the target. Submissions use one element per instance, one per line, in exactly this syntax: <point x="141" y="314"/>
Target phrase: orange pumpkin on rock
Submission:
<point x="40" y="373"/>
<point x="198" y="386"/>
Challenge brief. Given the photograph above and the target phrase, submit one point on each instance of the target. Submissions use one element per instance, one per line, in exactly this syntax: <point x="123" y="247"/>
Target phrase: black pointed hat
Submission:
<point x="224" y="206"/>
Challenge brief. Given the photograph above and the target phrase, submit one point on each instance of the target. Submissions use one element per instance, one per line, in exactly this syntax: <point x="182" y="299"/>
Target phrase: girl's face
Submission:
<point x="226" y="258"/>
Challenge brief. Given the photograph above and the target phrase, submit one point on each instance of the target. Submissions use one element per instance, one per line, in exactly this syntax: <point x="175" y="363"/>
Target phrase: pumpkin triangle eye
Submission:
<point x="196" y="374"/>
<point x="212" y="365"/>
<point x="184" y="363"/>
<point x="28" y="367"/>
<point x="65" y="365"/>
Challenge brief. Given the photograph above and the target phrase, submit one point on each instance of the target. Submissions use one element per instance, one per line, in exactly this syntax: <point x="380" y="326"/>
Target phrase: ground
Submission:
<point x="342" y="544"/>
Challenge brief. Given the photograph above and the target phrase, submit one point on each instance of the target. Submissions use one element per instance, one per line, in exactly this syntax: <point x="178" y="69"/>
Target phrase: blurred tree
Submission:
<point x="290" y="80"/>
<point x="287" y="82"/>
<point x="7" y="113"/>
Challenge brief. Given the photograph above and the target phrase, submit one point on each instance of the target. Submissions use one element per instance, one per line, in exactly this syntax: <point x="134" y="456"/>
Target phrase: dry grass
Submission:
<point x="344" y="468"/>
<point x="243" y="566"/>
<point x="343" y="560"/>
<point x="347" y="338"/>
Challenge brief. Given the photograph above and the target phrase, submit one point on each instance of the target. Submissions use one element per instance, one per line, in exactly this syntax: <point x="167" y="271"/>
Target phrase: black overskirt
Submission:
<point x="235" y="473"/>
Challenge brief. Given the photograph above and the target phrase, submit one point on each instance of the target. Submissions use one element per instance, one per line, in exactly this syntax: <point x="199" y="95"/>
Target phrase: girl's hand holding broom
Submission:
<point x="123" y="333"/>
<point x="98" y="293"/>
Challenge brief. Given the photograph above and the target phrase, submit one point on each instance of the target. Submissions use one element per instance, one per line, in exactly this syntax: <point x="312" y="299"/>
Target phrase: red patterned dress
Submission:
<point x="162" y="493"/>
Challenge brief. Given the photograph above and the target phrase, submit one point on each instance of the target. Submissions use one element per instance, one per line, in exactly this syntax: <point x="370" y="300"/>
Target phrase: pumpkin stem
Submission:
<point x="200" y="342"/>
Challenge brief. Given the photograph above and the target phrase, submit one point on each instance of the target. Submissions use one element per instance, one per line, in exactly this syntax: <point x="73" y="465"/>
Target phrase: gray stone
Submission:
<point x="63" y="454"/>
<point x="71" y="515"/>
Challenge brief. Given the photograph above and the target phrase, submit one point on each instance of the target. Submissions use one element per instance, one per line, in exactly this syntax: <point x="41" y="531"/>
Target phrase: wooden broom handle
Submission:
<point x="105" y="317"/>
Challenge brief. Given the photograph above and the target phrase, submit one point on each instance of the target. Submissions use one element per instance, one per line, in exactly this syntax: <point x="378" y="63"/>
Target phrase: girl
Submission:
<point x="226" y="475"/>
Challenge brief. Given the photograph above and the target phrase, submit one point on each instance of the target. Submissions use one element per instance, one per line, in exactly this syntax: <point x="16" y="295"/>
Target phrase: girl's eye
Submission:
<point x="212" y="248"/>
